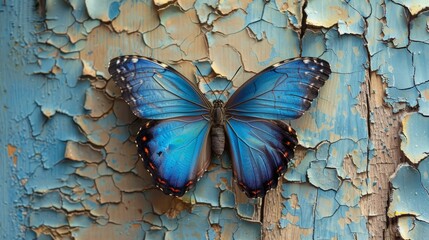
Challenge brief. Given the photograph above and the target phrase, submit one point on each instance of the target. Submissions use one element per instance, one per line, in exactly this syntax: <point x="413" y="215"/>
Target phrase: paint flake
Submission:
<point x="132" y="207"/>
<point x="97" y="132"/>
<point x="409" y="192"/>
<point x="82" y="152"/>
<point x="323" y="177"/>
<point x="97" y="103"/>
<point x="415" y="141"/>
<point x="231" y="23"/>
<point x="328" y="14"/>
<point x="133" y="20"/>
<point x="396" y="24"/>
<point x="58" y="16"/>
<point x="130" y="182"/>
<point x="47" y="217"/>
<point x="348" y="195"/>
<point x="414" y="6"/>
<point x="104" y="11"/>
<point x="109" y="193"/>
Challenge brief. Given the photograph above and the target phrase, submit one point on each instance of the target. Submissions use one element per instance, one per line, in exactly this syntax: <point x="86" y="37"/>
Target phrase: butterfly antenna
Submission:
<point x="205" y="80"/>
<point x="230" y="81"/>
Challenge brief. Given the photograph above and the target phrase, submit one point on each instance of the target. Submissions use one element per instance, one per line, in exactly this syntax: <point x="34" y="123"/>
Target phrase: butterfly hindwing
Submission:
<point x="155" y="91"/>
<point x="260" y="150"/>
<point x="175" y="151"/>
<point x="281" y="92"/>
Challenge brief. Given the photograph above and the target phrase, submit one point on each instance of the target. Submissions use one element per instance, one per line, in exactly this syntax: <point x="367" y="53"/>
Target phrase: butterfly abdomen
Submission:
<point x="218" y="129"/>
<point x="218" y="139"/>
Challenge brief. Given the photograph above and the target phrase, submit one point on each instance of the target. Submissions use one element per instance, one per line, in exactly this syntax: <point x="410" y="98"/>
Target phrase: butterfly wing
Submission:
<point x="260" y="151"/>
<point x="261" y="146"/>
<point x="156" y="91"/>
<point x="175" y="151"/>
<point x="281" y="92"/>
<point x="174" y="145"/>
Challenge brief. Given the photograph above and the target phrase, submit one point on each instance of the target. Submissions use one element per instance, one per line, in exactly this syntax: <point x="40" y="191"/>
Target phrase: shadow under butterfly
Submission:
<point x="183" y="127"/>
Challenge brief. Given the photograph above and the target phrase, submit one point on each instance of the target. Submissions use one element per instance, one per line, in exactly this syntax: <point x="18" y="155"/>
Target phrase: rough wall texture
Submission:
<point x="68" y="164"/>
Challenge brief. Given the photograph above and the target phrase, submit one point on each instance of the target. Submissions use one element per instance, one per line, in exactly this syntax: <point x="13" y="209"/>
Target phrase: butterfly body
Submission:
<point x="182" y="128"/>
<point x="218" y="129"/>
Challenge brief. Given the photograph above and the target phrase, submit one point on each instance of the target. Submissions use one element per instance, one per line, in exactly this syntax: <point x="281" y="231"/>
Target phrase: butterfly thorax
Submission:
<point x="217" y="132"/>
<point x="218" y="113"/>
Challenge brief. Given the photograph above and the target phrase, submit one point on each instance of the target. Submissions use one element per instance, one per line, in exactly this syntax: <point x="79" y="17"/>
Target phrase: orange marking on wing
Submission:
<point x="189" y="183"/>
<point x="255" y="192"/>
<point x="144" y="138"/>
<point x="146" y="150"/>
<point x="161" y="181"/>
<point x="152" y="166"/>
<point x="285" y="154"/>
<point x="174" y="189"/>
<point x="279" y="169"/>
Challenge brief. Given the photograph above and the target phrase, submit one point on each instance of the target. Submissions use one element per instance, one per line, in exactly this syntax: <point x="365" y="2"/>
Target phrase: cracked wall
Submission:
<point x="69" y="167"/>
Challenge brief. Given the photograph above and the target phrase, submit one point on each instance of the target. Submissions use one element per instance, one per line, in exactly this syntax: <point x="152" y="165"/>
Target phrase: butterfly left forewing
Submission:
<point x="156" y="91"/>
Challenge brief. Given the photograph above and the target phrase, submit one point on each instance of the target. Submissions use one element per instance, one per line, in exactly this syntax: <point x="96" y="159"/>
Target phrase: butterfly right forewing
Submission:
<point x="283" y="91"/>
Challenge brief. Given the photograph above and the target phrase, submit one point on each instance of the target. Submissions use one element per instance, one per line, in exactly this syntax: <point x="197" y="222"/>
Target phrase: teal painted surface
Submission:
<point x="68" y="164"/>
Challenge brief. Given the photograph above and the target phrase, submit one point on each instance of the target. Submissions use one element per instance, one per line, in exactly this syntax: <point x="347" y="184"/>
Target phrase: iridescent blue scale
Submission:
<point x="175" y="143"/>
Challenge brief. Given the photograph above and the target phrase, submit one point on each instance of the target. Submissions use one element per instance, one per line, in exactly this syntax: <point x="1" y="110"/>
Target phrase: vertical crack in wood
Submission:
<point x="383" y="128"/>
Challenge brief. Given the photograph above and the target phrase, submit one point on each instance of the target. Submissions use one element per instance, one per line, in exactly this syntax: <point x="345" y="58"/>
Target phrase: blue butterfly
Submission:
<point x="183" y="127"/>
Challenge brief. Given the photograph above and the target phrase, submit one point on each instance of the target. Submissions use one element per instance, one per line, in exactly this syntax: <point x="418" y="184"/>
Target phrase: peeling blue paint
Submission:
<point x="412" y="228"/>
<point x="348" y="15"/>
<point x="415" y="141"/>
<point x="72" y="170"/>
<point x="104" y="11"/>
<point x="300" y="203"/>
<point x="345" y="223"/>
<point x="396" y="24"/>
<point x="410" y="190"/>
